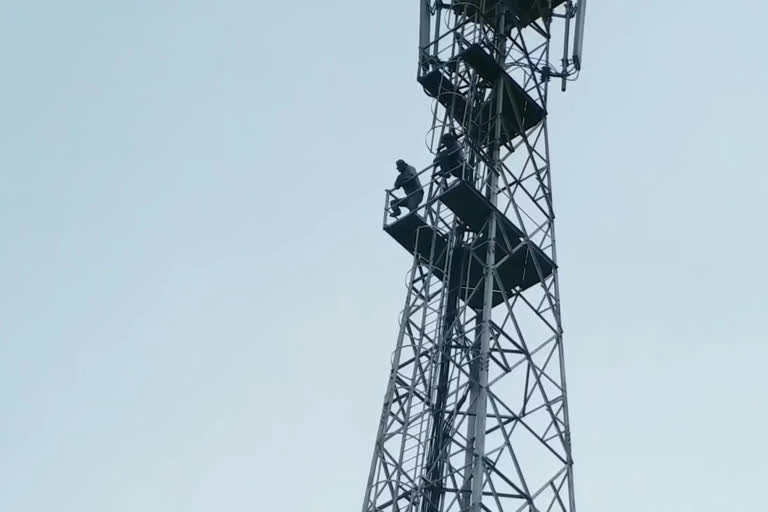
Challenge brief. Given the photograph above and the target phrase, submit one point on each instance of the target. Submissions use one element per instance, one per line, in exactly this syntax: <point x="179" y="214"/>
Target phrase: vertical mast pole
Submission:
<point x="482" y="361"/>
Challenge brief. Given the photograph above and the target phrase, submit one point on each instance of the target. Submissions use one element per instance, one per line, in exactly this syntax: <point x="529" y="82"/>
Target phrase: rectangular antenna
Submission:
<point x="578" y="44"/>
<point x="425" y="17"/>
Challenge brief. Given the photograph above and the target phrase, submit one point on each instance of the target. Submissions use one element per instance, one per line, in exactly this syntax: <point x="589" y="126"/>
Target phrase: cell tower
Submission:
<point x="475" y="415"/>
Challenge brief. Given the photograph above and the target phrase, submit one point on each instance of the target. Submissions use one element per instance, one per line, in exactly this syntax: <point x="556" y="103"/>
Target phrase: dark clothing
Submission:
<point x="450" y="160"/>
<point x="410" y="201"/>
<point x="408" y="180"/>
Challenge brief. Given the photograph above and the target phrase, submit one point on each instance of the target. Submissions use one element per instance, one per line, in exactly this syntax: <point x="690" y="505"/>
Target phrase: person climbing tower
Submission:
<point x="408" y="180"/>
<point x="450" y="158"/>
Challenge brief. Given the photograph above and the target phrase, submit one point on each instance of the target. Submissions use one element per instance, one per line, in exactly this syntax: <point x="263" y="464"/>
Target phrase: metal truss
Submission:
<point x="475" y="415"/>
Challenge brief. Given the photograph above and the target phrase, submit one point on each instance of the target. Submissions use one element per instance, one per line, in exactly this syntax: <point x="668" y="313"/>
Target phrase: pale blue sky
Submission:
<point x="198" y="305"/>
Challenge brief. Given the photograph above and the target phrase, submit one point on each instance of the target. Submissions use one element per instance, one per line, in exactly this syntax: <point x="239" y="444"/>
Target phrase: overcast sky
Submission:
<point x="198" y="304"/>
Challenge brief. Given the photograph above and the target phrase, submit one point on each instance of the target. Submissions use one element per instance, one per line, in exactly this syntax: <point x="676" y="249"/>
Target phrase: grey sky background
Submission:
<point x="198" y="305"/>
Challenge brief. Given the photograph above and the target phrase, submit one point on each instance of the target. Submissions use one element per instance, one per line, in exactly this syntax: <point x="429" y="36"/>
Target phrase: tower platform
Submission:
<point x="419" y="238"/>
<point x="474" y="209"/>
<point x="518" y="270"/>
<point x="439" y="86"/>
<point x="523" y="12"/>
<point x="519" y="110"/>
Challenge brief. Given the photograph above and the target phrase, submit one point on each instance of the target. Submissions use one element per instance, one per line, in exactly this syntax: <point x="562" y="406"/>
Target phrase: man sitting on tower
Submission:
<point x="450" y="159"/>
<point x="408" y="180"/>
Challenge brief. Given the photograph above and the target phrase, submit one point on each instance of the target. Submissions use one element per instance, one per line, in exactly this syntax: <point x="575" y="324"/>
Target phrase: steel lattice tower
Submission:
<point x="475" y="415"/>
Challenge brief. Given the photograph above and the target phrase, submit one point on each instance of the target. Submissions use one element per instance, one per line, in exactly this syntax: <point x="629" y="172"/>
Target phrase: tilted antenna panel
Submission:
<point x="578" y="45"/>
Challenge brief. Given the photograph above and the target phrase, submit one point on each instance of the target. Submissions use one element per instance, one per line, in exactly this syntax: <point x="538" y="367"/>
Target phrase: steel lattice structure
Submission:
<point x="475" y="415"/>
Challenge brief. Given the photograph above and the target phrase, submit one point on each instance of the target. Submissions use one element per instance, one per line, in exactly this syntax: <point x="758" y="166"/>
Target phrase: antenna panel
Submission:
<point x="578" y="45"/>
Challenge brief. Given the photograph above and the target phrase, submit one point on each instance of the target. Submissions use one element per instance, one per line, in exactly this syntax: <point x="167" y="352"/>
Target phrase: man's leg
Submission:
<point x="395" y="205"/>
<point x="414" y="200"/>
<point x="456" y="169"/>
<point x="469" y="174"/>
